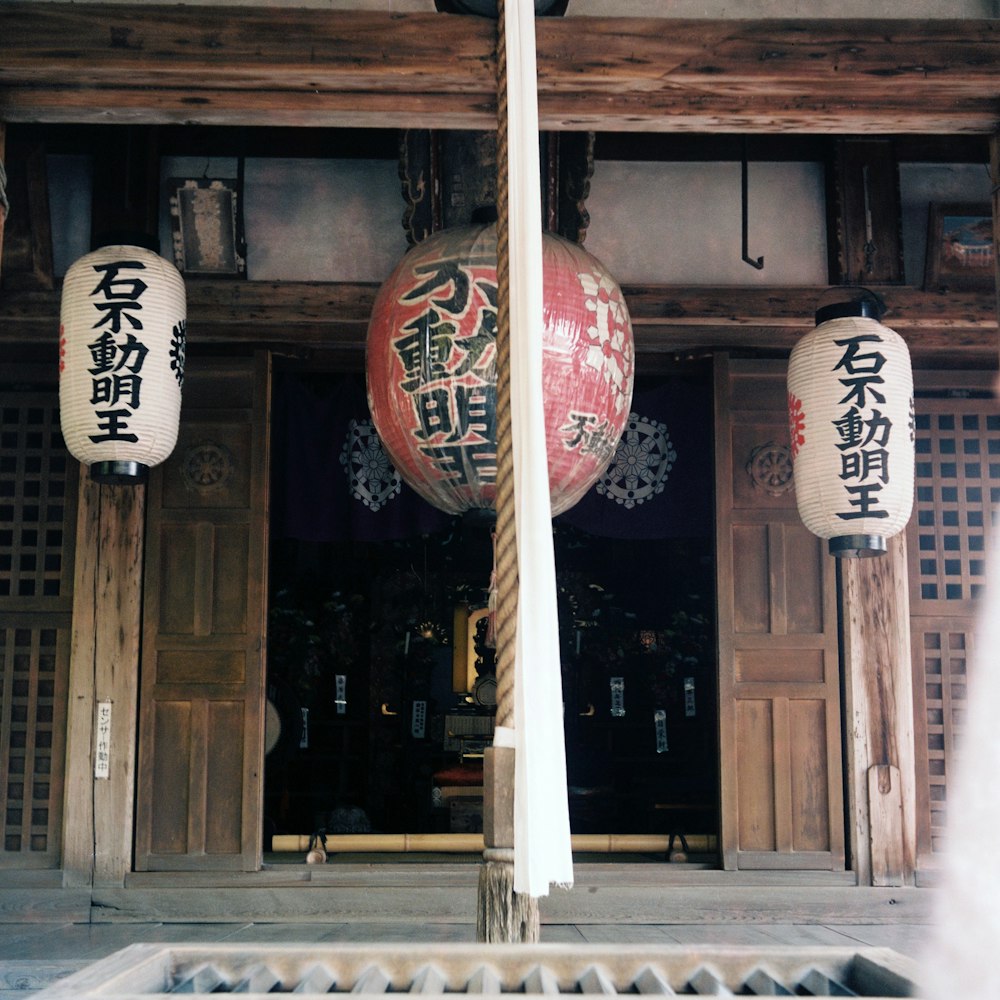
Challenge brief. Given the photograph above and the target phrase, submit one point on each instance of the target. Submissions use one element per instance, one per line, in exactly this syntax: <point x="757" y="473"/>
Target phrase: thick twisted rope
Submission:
<point x="506" y="532"/>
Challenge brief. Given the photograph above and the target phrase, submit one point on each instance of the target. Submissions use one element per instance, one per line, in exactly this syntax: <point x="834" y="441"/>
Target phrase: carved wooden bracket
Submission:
<point x="448" y="178"/>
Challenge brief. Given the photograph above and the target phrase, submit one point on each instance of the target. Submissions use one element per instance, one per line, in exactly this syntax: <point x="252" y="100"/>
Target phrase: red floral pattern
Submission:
<point x="796" y="423"/>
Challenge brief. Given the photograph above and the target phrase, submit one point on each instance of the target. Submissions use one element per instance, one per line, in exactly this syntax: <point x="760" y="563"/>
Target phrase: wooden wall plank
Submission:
<point x="162" y="64"/>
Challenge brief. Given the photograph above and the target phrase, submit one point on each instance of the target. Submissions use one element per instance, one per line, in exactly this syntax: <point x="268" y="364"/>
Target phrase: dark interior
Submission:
<point x="636" y="610"/>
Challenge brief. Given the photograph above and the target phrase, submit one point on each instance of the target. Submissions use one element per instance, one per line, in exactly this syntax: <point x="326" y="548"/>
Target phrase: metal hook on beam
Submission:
<point x="759" y="262"/>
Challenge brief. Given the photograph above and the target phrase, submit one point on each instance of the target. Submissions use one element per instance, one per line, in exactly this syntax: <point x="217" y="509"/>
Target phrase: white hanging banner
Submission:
<point x="542" y="848"/>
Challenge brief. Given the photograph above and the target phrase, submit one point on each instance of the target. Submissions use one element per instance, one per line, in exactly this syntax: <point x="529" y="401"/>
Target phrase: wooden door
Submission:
<point x="201" y="703"/>
<point x="781" y="780"/>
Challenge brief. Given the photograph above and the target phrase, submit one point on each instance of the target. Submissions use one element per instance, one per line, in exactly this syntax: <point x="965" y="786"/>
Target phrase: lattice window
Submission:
<point x="33" y="469"/>
<point x="37" y="512"/>
<point x="958" y="484"/>
<point x="28" y="666"/>
<point x="944" y="653"/>
<point x="957" y="495"/>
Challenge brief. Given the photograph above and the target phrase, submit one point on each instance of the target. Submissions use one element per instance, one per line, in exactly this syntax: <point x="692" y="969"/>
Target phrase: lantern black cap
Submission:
<point x="119" y="473"/>
<point x="857" y="546"/>
<point x="843" y="301"/>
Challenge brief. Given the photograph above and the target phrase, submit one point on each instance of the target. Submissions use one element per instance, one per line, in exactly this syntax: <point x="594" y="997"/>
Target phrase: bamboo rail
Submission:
<point x="472" y="843"/>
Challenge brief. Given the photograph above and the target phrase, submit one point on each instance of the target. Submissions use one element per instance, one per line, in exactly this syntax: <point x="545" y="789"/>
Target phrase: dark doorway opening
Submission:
<point x="376" y="725"/>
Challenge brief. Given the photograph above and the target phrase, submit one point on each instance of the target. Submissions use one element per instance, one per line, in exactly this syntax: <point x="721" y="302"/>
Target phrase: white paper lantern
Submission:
<point x="121" y="361"/>
<point x="850" y="412"/>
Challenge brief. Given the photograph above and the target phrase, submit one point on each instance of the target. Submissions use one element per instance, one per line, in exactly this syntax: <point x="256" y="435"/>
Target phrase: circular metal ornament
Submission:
<point x="770" y="468"/>
<point x="207" y="466"/>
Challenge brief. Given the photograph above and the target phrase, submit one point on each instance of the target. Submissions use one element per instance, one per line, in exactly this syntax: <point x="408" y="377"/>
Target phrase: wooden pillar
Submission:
<point x="995" y="176"/>
<point x="3" y="187"/>
<point x="878" y="685"/>
<point x="104" y="677"/>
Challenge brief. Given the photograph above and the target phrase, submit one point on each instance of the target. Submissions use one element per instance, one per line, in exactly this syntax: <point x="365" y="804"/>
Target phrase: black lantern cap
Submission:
<point x="843" y="301"/>
<point x="119" y="473"/>
<point x="857" y="546"/>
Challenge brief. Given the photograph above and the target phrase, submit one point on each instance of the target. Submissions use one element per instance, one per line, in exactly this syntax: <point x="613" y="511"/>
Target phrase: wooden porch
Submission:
<point x="49" y="931"/>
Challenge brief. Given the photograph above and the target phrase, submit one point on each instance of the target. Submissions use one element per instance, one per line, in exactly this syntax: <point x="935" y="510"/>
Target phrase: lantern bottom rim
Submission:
<point x="857" y="546"/>
<point x="119" y="473"/>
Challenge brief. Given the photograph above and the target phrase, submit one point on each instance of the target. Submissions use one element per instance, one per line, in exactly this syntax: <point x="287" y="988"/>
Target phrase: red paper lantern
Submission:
<point x="431" y="366"/>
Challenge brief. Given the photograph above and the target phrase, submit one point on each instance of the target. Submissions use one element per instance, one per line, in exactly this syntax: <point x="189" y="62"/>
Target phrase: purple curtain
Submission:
<point x="659" y="483"/>
<point x="333" y="480"/>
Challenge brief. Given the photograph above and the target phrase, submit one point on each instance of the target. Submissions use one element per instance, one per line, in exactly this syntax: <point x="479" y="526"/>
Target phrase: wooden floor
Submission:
<point x="48" y="931"/>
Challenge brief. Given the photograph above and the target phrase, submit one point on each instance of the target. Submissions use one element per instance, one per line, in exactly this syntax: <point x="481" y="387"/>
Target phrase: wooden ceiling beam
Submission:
<point x="86" y="62"/>
<point x="294" y="316"/>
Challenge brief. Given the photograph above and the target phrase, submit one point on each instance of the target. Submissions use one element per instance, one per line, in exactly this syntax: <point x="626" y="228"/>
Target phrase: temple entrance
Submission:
<point x="380" y="683"/>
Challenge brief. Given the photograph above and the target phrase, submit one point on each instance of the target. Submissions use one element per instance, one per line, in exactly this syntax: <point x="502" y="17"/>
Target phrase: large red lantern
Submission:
<point x="431" y="366"/>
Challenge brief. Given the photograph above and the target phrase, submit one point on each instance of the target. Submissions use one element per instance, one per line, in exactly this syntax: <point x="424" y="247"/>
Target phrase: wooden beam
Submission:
<point x="139" y="63"/>
<point x="289" y="316"/>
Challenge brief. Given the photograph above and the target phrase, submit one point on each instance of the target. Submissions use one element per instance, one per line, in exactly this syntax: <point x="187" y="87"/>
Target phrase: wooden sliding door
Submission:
<point x="779" y="691"/>
<point x="201" y="706"/>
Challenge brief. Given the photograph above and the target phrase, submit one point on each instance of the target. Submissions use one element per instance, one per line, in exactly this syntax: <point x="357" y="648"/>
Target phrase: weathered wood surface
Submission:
<point x="938" y="327"/>
<point x="16" y="977"/>
<point x="878" y="685"/>
<point x="198" y="785"/>
<point x="104" y="662"/>
<point x="163" y="64"/>
<point x="27" y="239"/>
<point x="779" y="695"/>
<point x="584" y="905"/>
<point x="886" y="836"/>
<point x="655" y="876"/>
<point x="29" y="906"/>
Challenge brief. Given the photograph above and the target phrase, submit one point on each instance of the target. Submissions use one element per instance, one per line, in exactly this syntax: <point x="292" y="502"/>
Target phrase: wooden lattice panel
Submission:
<point x="957" y="484"/>
<point x="33" y="470"/>
<point x="943" y="652"/>
<point x="957" y="492"/>
<point x="37" y="511"/>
